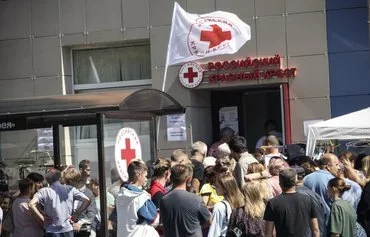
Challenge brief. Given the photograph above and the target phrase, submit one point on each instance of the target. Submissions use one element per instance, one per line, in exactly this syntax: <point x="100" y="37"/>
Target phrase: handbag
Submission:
<point x="85" y="230"/>
<point x="234" y="231"/>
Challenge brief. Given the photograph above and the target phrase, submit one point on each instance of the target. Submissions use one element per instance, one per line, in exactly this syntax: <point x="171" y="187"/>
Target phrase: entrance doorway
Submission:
<point x="246" y="111"/>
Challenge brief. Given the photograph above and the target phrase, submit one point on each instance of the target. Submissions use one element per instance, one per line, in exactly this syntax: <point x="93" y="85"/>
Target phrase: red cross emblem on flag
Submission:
<point x="216" y="36"/>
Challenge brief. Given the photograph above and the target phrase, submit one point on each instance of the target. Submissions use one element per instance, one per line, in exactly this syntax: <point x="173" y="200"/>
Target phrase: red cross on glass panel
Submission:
<point x="128" y="154"/>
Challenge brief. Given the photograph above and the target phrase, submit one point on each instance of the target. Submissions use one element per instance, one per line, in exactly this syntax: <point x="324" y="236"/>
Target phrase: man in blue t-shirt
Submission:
<point x="57" y="200"/>
<point x="318" y="182"/>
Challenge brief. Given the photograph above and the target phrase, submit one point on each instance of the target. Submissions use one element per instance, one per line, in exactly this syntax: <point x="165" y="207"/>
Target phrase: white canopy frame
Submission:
<point x="352" y="126"/>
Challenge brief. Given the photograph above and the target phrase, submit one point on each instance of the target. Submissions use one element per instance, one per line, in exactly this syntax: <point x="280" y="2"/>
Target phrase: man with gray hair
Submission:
<point x="198" y="153"/>
<point x="57" y="200"/>
<point x="291" y="213"/>
<point x="318" y="182"/>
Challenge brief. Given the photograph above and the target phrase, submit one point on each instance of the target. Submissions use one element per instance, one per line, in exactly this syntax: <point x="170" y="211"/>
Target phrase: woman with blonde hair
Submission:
<point x="249" y="219"/>
<point x="227" y="186"/>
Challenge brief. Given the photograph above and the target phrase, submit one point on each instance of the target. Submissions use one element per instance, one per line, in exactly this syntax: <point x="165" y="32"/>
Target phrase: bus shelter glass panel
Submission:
<point x="77" y="144"/>
<point x="111" y="130"/>
<point x="23" y="152"/>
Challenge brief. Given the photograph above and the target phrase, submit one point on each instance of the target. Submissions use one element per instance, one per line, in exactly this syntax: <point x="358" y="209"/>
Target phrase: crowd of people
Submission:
<point x="64" y="207"/>
<point x="222" y="191"/>
<point x="235" y="193"/>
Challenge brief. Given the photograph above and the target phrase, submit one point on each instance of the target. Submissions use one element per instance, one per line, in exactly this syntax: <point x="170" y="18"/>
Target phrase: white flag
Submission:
<point x="196" y="36"/>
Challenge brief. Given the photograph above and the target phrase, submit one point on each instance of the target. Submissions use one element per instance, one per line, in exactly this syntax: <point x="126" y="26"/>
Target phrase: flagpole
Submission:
<point x="169" y="47"/>
<point x="166" y="66"/>
<point x="163" y="88"/>
<point x="165" y="72"/>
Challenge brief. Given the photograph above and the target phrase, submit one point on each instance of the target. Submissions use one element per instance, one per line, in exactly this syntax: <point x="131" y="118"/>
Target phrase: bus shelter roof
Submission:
<point x="139" y="104"/>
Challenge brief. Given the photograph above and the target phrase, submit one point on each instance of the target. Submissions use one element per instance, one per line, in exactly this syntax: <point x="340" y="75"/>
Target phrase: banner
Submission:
<point x="196" y="36"/>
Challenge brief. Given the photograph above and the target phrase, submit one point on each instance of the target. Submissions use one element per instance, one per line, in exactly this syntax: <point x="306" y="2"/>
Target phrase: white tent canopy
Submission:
<point x="351" y="126"/>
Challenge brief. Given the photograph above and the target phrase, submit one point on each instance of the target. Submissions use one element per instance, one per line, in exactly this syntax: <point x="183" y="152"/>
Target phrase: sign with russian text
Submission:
<point x="228" y="117"/>
<point x="176" y="127"/>
<point x="127" y="148"/>
<point x="12" y="124"/>
<point x="248" y="69"/>
<point x="192" y="74"/>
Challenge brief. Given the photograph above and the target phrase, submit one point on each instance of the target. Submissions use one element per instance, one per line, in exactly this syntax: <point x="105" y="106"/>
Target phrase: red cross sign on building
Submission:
<point x="191" y="74"/>
<point x="127" y="148"/>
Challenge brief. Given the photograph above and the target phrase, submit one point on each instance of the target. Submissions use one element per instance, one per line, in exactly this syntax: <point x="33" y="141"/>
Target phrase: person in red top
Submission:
<point x="161" y="176"/>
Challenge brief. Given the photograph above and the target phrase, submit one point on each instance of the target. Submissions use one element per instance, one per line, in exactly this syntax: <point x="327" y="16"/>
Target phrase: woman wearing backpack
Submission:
<point x="226" y="186"/>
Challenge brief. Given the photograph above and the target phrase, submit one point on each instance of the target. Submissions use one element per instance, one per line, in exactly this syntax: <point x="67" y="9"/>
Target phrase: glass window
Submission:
<point x="114" y="64"/>
<point x="80" y="142"/>
<point x="23" y="152"/>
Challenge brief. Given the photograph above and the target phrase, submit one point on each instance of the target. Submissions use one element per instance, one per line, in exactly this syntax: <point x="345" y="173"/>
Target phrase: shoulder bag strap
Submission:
<point x="225" y="210"/>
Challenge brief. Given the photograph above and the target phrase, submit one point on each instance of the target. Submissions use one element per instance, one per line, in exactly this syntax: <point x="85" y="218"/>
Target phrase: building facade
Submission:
<point x="52" y="47"/>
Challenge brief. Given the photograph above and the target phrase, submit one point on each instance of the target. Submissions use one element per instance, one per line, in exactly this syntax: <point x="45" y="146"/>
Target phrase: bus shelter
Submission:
<point x="97" y="113"/>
